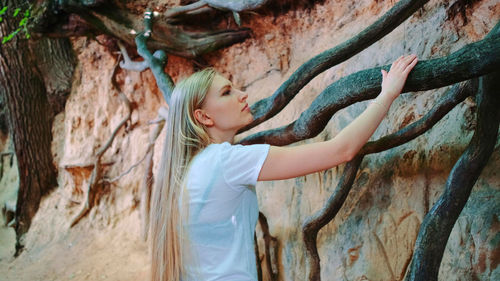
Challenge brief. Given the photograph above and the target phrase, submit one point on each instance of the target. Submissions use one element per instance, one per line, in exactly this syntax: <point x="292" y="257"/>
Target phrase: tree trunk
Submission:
<point x="29" y="118"/>
<point x="56" y="61"/>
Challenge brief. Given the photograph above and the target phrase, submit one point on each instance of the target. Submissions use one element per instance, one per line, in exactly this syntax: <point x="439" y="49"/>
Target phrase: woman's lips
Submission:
<point x="245" y="108"/>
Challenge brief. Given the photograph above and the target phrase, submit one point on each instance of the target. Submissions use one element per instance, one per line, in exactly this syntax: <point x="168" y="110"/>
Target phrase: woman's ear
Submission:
<point x="203" y="118"/>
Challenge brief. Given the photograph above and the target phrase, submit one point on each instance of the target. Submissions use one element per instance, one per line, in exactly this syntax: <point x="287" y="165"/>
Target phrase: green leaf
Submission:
<point x="3" y="10"/>
<point x="28" y="36"/>
<point x="16" y="11"/>
<point x="27" y="13"/>
<point x="1" y="19"/>
<point x="23" y="22"/>
<point x="10" y="36"/>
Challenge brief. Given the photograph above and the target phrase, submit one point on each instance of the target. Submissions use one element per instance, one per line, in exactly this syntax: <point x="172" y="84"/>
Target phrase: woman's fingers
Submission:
<point x="409" y="59"/>
<point x="393" y="82"/>
<point x="403" y="62"/>
<point x="384" y="74"/>
<point x="410" y="66"/>
<point x="395" y="64"/>
<point x="398" y="64"/>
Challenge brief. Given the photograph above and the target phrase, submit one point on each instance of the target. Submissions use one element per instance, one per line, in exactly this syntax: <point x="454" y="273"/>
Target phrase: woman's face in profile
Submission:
<point x="225" y="108"/>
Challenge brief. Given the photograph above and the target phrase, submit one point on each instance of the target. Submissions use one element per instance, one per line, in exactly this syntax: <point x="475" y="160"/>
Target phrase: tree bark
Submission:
<point x="268" y="107"/>
<point x="438" y="223"/>
<point x="56" y="62"/>
<point x="314" y="223"/>
<point x="455" y="95"/>
<point x="76" y="18"/>
<point x="473" y="60"/>
<point x="29" y="118"/>
<point x="155" y="63"/>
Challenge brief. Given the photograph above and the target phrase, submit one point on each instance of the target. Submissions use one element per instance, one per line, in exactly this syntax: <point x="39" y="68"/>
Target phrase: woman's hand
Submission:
<point x="393" y="82"/>
<point x="295" y="161"/>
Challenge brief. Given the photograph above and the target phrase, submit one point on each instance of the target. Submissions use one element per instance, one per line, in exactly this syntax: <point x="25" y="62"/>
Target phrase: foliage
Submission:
<point x="23" y="23"/>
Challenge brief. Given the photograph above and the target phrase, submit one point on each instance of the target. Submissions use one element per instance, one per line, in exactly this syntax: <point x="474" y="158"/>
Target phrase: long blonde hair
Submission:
<point x="185" y="137"/>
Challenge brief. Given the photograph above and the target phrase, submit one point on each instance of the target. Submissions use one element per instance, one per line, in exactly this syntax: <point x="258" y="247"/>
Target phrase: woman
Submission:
<point x="204" y="208"/>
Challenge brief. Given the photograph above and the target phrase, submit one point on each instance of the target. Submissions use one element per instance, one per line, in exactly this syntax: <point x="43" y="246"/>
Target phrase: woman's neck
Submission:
<point x="219" y="137"/>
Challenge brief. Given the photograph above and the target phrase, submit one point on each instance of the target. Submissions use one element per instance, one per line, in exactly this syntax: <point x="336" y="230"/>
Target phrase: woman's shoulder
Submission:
<point x="216" y="147"/>
<point x="226" y="149"/>
<point x="212" y="151"/>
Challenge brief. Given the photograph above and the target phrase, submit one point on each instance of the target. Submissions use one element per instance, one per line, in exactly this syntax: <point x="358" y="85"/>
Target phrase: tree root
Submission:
<point x="135" y="165"/>
<point x="156" y="62"/>
<point x="81" y="19"/>
<point x="271" y="249"/>
<point x="438" y="223"/>
<point x="186" y="14"/>
<point x="129" y="64"/>
<point x="455" y="95"/>
<point x="236" y="5"/>
<point x="157" y="65"/>
<point x="266" y="108"/>
<point x="176" y="14"/>
<point x="95" y="177"/>
<point x="314" y="223"/>
<point x="471" y="61"/>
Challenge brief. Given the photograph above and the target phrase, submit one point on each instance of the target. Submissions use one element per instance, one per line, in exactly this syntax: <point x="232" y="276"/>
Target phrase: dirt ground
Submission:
<point x="79" y="254"/>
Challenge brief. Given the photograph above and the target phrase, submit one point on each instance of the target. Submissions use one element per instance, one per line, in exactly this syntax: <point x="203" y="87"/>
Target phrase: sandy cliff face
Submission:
<point x="372" y="237"/>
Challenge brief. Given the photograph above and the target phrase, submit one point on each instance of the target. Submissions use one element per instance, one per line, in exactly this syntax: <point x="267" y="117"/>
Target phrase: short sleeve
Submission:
<point x="242" y="164"/>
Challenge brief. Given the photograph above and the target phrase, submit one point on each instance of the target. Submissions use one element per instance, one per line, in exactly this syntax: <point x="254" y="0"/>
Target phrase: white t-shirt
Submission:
<point x="223" y="211"/>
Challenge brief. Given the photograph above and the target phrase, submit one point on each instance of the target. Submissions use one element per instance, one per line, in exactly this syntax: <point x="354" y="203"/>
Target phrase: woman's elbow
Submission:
<point x="342" y="151"/>
<point x="342" y="157"/>
<point x="349" y="156"/>
<point x="350" y="153"/>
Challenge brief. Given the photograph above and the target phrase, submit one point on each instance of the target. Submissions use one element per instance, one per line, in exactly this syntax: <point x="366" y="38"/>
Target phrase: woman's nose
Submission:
<point x="243" y="96"/>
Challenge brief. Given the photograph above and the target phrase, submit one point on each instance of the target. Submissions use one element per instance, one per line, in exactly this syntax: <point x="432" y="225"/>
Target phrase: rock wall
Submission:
<point x="373" y="236"/>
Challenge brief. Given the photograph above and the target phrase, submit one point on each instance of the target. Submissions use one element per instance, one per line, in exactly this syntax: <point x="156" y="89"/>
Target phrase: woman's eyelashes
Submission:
<point x="226" y="92"/>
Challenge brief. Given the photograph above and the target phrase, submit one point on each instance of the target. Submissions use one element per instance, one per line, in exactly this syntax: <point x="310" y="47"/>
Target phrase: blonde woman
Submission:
<point x="204" y="208"/>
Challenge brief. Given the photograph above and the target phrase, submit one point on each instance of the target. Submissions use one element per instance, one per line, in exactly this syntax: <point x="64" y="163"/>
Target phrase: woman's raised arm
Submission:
<point x="290" y="162"/>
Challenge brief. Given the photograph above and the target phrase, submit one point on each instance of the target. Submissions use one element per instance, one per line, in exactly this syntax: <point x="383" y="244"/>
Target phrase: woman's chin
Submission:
<point x="250" y="119"/>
